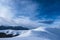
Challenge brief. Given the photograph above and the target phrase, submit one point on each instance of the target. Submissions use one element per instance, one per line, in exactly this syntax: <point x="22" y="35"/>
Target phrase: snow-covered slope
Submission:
<point x="41" y="33"/>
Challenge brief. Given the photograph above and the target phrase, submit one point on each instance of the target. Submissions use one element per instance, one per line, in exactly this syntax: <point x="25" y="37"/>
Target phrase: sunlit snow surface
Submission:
<point x="40" y="33"/>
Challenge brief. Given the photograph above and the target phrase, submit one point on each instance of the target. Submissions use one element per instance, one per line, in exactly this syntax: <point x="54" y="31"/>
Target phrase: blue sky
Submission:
<point x="33" y="13"/>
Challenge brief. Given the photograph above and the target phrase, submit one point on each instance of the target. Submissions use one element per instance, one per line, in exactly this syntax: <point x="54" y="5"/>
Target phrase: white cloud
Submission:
<point x="8" y="15"/>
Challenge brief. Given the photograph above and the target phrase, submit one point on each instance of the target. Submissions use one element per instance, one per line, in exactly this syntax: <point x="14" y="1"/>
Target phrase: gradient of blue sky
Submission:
<point x="30" y="13"/>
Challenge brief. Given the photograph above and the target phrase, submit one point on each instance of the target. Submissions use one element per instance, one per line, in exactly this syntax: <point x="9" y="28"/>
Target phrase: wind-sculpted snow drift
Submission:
<point x="41" y="33"/>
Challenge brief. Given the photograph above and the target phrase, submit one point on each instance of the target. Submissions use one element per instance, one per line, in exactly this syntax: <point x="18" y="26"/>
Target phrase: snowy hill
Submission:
<point x="41" y="33"/>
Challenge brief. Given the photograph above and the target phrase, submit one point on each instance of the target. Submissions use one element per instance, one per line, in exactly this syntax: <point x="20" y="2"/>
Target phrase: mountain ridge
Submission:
<point x="13" y="28"/>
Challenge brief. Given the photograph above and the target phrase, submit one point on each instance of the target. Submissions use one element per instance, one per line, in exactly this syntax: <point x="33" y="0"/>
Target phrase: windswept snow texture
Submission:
<point x="42" y="17"/>
<point x="47" y="34"/>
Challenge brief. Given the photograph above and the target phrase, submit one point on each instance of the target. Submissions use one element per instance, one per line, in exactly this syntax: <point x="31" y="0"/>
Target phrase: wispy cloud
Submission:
<point x="8" y="17"/>
<point x="56" y="24"/>
<point x="21" y="13"/>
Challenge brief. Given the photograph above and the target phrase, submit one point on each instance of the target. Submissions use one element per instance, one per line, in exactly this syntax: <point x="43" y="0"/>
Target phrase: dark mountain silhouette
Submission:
<point x="13" y="28"/>
<point x="4" y="35"/>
